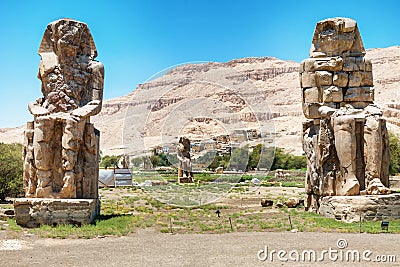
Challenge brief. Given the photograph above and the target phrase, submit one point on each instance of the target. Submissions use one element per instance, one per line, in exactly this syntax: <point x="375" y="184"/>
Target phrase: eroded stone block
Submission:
<point x="310" y="110"/>
<point x="328" y="64"/>
<point x="367" y="78"/>
<point x="368" y="64"/>
<point x="332" y="94"/>
<point x="362" y="94"/>
<point x="323" y="78"/>
<point x="311" y="95"/>
<point x="308" y="79"/>
<point x="340" y="79"/>
<point x="360" y="63"/>
<point x="349" y="64"/>
<point x="309" y="65"/>
<point x="356" y="105"/>
<point x="355" y="79"/>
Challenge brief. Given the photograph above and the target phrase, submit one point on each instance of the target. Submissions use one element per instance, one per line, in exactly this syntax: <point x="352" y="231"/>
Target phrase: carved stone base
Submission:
<point x="370" y="207"/>
<point x="33" y="212"/>
<point x="185" y="180"/>
<point x="394" y="182"/>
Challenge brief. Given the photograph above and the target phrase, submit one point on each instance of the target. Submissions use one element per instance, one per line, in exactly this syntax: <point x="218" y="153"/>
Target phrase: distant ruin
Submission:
<point x="61" y="147"/>
<point x="345" y="137"/>
<point x="185" y="172"/>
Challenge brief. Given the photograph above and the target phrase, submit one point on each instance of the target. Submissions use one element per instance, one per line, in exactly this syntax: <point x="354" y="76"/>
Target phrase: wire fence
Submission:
<point x="302" y="222"/>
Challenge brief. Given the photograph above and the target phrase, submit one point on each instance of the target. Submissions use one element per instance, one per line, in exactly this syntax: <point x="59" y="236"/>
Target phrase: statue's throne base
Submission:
<point x="366" y="208"/>
<point x="184" y="180"/>
<point x="33" y="212"/>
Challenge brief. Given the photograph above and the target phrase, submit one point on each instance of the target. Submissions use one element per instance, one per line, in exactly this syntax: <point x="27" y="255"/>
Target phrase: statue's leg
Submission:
<point x="43" y="154"/>
<point x="180" y="169"/>
<point x="346" y="148"/>
<point x="30" y="177"/>
<point x="44" y="188"/>
<point x="187" y="167"/>
<point x="385" y="154"/>
<point x="69" y="188"/>
<point x="312" y="182"/>
<point x="90" y="158"/>
<point x="328" y="162"/>
<point x="190" y="171"/>
<point x="30" y="173"/>
<point x="71" y="143"/>
<point x="373" y="146"/>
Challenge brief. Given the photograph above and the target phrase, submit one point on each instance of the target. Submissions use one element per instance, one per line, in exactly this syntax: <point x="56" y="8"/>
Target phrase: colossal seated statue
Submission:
<point x="61" y="146"/>
<point x="345" y="139"/>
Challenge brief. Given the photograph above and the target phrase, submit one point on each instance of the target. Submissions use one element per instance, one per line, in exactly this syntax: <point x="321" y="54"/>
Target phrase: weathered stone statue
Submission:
<point x="345" y="138"/>
<point x="61" y="146"/>
<point x="64" y="142"/>
<point x="185" y="173"/>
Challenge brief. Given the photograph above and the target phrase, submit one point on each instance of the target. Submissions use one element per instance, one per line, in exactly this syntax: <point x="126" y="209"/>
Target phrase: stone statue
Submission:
<point x="61" y="146"/>
<point x="184" y="164"/>
<point x="345" y="139"/>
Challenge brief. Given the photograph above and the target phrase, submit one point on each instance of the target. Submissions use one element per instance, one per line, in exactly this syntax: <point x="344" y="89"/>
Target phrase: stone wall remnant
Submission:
<point x="345" y="137"/>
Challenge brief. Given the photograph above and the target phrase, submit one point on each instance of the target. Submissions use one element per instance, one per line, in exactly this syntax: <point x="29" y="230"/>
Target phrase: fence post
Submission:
<point x="115" y="178"/>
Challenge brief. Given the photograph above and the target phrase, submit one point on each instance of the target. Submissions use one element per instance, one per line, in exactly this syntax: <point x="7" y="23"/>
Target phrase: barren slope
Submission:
<point x="242" y="93"/>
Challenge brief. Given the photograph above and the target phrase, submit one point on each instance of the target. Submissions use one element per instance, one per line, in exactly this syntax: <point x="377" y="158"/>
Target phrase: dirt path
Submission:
<point x="150" y="248"/>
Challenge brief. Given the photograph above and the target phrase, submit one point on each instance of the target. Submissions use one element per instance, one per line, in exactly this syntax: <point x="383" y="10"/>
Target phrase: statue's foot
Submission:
<point x="311" y="203"/>
<point x="375" y="187"/>
<point x="350" y="187"/>
<point x="44" y="192"/>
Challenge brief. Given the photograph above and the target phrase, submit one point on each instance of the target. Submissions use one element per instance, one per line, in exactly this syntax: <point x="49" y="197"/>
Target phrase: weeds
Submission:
<point x="125" y="214"/>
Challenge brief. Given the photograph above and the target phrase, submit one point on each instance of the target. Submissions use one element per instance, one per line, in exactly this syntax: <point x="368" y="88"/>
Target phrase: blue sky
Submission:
<point x="136" y="39"/>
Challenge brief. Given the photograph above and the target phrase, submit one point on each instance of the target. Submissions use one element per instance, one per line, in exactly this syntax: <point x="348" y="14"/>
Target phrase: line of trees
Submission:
<point x="258" y="158"/>
<point x="155" y="160"/>
<point x="11" y="163"/>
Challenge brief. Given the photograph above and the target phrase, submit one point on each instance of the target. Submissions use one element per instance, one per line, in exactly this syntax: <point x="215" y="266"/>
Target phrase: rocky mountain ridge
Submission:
<point x="241" y="93"/>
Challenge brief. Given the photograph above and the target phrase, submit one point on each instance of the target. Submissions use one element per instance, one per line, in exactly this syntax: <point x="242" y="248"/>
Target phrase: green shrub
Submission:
<point x="11" y="170"/>
<point x="394" y="146"/>
<point x="287" y="161"/>
<point x="109" y="161"/>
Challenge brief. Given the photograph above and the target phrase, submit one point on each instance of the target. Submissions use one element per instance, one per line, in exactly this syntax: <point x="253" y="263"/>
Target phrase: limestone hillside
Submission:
<point x="201" y="100"/>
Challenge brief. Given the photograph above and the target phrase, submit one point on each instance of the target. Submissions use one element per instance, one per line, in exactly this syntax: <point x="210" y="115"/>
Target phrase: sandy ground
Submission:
<point x="150" y="248"/>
